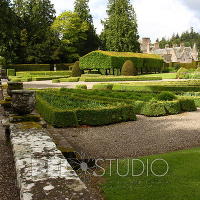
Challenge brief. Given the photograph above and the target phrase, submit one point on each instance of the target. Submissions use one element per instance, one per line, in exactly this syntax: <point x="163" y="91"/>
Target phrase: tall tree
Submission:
<point x="92" y="42"/>
<point x="8" y="31"/>
<point x="120" y="28"/>
<point x="36" y="40"/>
<point x="71" y="31"/>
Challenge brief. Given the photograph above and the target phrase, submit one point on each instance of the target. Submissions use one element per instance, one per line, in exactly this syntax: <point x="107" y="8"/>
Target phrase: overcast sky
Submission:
<point x="156" y="18"/>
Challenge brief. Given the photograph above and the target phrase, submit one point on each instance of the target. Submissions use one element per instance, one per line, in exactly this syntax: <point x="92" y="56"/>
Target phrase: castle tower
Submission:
<point x="145" y="45"/>
<point x="156" y="46"/>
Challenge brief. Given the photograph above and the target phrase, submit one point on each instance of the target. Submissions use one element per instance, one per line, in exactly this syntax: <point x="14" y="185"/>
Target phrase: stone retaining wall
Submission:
<point x="42" y="171"/>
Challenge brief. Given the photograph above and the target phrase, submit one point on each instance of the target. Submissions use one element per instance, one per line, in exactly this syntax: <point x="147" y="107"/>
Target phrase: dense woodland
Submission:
<point x="189" y="38"/>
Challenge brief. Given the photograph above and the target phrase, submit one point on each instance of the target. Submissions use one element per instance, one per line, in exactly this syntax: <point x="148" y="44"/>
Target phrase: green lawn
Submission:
<point x="182" y="181"/>
<point x="163" y="75"/>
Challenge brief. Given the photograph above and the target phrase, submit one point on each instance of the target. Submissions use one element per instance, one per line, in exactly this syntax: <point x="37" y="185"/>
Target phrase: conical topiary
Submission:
<point x="76" y="71"/>
<point x="129" y="69"/>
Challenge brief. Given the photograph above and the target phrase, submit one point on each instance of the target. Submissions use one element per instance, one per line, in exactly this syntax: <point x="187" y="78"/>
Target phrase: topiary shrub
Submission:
<point x="129" y="69"/>
<point x="81" y="86"/>
<point x="166" y="96"/>
<point x="76" y="71"/>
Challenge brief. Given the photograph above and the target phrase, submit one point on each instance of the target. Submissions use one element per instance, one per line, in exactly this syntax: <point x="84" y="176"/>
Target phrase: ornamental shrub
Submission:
<point x="76" y="71"/>
<point x="81" y="86"/>
<point x="128" y="69"/>
<point x="166" y="96"/>
<point x="187" y="104"/>
<point x="198" y="70"/>
<point x="102" y="87"/>
<point x="172" y="107"/>
<point x="182" y="73"/>
<point x="153" y="109"/>
<point x="71" y="79"/>
<point x="11" y="72"/>
<point x="55" y="81"/>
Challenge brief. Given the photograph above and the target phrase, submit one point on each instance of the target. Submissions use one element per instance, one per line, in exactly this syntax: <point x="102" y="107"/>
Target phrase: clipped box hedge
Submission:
<point x="54" y="116"/>
<point x="149" y="108"/>
<point x="154" y="88"/>
<point x="102" y="87"/>
<point x="71" y="79"/>
<point x="29" y="67"/>
<point x="114" y="60"/>
<point x="11" y="72"/>
<point x="120" y="78"/>
<point x="75" y="117"/>
<point x="44" y="73"/>
<point x="81" y="86"/>
<point x="39" y="67"/>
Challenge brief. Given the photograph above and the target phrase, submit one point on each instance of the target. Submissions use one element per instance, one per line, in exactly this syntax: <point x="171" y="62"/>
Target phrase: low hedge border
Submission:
<point x="119" y="78"/>
<point x="81" y="86"/>
<point x="157" y="108"/>
<point x="28" y="79"/>
<point x="76" y="117"/>
<point x="71" y="79"/>
<point x="155" y="88"/>
<point x="44" y="73"/>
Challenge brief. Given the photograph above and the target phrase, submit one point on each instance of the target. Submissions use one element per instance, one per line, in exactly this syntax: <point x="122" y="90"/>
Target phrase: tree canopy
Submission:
<point x="120" y="28"/>
<point x="92" y="41"/>
<point x="71" y="30"/>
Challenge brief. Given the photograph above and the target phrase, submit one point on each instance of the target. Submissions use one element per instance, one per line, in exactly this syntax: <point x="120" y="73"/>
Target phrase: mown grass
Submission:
<point x="182" y="181"/>
<point x="163" y="75"/>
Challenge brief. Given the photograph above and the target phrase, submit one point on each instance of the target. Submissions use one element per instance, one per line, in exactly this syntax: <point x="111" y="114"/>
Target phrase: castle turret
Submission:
<point x="145" y="45"/>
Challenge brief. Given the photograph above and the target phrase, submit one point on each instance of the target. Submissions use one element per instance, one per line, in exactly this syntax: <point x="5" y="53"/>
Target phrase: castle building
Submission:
<point x="180" y="54"/>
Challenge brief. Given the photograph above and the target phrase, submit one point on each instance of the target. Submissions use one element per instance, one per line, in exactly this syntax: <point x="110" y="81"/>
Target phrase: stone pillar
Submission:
<point x="23" y="101"/>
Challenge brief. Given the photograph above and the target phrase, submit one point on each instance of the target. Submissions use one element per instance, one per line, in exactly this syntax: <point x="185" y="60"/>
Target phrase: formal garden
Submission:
<point x="125" y="86"/>
<point x="87" y="116"/>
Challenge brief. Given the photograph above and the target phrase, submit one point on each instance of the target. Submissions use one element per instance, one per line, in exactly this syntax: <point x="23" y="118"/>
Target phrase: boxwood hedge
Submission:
<point x="91" y="116"/>
<point x="114" y="60"/>
<point x="119" y="78"/>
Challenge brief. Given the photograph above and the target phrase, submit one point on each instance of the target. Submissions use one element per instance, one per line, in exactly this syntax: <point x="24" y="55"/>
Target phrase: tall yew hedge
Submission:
<point x="145" y="63"/>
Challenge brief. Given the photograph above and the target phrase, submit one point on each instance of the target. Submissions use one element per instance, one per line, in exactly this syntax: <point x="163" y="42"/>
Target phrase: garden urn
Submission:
<point x="23" y="101"/>
<point x="14" y="86"/>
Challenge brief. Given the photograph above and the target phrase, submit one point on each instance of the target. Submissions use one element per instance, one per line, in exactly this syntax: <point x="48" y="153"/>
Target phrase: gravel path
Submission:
<point x="145" y="136"/>
<point x="8" y="184"/>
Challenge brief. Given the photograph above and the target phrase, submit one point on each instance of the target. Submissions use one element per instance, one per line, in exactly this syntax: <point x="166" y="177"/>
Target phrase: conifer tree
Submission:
<point x="92" y="42"/>
<point x="120" y="28"/>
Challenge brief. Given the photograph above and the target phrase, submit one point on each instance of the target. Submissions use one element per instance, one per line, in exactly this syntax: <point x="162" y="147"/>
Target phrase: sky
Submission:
<point x="156" y="18"/>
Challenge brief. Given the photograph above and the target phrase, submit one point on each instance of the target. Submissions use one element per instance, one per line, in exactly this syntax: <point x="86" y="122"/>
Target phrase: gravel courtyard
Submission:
<point x="132" y="139"/>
